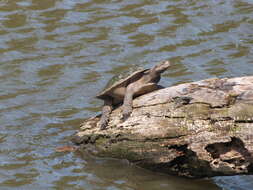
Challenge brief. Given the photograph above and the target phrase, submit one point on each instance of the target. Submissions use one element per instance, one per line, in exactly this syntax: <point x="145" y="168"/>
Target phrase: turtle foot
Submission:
<point x="127" y="110"/>
<point x="102" y="125"/>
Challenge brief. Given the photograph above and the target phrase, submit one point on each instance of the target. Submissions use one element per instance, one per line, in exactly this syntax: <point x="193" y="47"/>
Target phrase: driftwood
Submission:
<point x="198" y="129"/>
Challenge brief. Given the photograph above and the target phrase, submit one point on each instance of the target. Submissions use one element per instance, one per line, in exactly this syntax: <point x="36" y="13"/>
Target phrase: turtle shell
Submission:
<point x="119" y="80"/>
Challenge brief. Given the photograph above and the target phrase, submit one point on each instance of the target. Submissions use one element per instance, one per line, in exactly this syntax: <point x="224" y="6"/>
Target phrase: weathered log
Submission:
<point x="198" y="129"/>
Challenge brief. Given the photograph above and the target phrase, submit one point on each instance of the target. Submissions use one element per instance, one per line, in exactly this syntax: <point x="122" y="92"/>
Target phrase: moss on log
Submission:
<point x="198" y="129"/>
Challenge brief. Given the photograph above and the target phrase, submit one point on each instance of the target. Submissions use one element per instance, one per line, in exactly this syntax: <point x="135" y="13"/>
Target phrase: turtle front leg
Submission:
<point x="106" y="111"/>
<point x="128" y="103"/>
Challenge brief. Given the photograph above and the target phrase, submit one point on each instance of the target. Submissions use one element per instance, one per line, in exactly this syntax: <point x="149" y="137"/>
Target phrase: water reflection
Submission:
<point x="57" y="54"/>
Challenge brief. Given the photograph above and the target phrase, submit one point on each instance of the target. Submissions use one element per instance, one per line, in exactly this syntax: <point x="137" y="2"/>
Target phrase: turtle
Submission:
<point x="124" y="89"/>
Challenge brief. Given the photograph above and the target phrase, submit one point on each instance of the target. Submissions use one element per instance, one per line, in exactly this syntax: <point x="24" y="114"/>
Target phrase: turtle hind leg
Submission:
<point x="106" y="111"/>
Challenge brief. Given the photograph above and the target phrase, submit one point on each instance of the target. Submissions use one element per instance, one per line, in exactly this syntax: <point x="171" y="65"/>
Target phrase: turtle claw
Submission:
<point x="102" y="125"/>
<point x="126" y="113"/>
<point x="125" y="116"/>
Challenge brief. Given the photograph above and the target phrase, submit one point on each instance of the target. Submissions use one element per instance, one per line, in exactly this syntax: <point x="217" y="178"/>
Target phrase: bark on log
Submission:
<point x="198" y="129"/>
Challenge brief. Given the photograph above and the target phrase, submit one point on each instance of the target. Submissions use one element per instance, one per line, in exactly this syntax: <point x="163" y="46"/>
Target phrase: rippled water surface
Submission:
<point x="55" y="55"/>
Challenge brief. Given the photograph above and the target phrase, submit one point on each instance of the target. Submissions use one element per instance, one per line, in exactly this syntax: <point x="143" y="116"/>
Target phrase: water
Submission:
<point x="55" y="55"/>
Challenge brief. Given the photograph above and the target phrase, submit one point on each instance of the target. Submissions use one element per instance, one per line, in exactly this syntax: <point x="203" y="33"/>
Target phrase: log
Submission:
<point x="198" y="129"/>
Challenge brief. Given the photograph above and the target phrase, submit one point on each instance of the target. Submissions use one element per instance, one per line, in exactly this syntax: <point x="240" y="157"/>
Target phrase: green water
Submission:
<point x="56" y="55"/>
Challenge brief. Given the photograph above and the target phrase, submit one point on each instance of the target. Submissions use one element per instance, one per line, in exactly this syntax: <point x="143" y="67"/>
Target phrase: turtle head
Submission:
<point x="161" y="67"/>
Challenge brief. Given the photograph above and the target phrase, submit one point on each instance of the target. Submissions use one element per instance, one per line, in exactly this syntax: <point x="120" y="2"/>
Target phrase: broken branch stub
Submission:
<point x="198" y="129"/>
